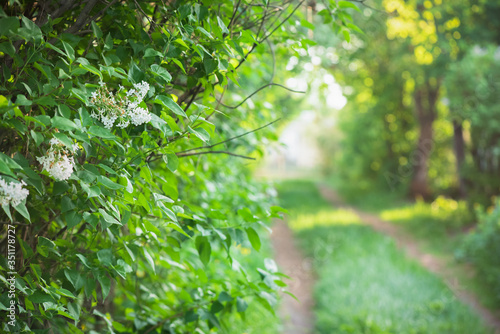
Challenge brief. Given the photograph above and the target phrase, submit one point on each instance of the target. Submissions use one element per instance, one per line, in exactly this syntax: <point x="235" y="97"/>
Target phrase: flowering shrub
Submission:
<point x="135" y="232"/>
<point x="12" y="193"/>
<point x="111" y="107"/>
<point x="59" y="160"/>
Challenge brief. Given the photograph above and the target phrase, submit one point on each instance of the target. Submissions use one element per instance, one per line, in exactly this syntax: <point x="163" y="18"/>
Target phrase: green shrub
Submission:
<point x="482" y="248"/>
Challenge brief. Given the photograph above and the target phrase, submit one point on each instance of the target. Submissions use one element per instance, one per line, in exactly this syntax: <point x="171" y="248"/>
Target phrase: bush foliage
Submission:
<point x="120" y="177"/>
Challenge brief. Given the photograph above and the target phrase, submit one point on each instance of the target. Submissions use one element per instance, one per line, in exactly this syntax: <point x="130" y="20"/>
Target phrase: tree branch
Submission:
<point x="230" y="139"/>
<point x="282" y="22"/>
<point x="82" y="18"/>
<point x="258" y="90"/>
<point x="214" y="152"/>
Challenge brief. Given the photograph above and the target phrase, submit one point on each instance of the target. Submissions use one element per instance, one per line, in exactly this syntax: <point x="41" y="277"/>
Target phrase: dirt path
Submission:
<point x="411" y="248"/>
<point x="296" y="315"/>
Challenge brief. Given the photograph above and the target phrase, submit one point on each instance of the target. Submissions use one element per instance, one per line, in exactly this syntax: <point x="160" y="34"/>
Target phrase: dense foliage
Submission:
<point x="122" y="182"/>
<point x="472" y="89"/>
<point x="482" y="248"/>
<point x="401" y="128"/>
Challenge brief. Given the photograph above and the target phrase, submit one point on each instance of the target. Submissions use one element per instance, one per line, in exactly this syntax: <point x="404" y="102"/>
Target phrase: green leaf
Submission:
<point x="119" y="327"/>
<point x="91" y="69"/>
<point x="179" y="229"/>
<point x="246" y="214"/>
<point x="222" y="26"/>
<point x="83" y="259"/>
<point x="161" y="198"/>
<point x="66" y="204"/>
<point x="346" y="34"/>
<point x="241" y="304"/>
<point x="200" y="133"/>
<point x="204" y="249"/>
<point x="135" y="74"/>
<point x="170" y="104"/>
<point x="70" y="52"/>
<point x="74" y="311"/>
<point x="21" y="100"/>
<point x="64" y="139"/>
<point x="150" y="52"/>
<point x="6" y="207"/>
<point x="348" y="4"/>
<point x="108" y="218"/>
<point x="97" y="31"/>
<point x="209" y="64"/>
<point x="149" y="259"/>
<point x="101" y="132"/>
<point x="307" y="24"/>
<point x="44" y="119"/>
<point x="169" y="213"/>
<point x="107" y="169"/>
<point x="172" y="161"/>
<point x="105" y="257"/>
<point x="72" y="218"/>
<point x="354" y="27"/>
<point x="254" y="238"/>
<point x="44" y="242"/>
<point x="160" y="124"/>
<point x="160" y="71"/>
<point x="55" y="48"/>
<point x="206" y="33"/>
<point x="39" y="297"/>
<point x="9" y="25"/>
<point x="21" y="208"/>
<point x="178" y="63"/>
<point x="224" y="297"/>
<point x="105" y="285"/>
<point x="74" y="277"/>
<point x="37" y="137"/>
<point x="108" y="43"/>
<point x="108" y="183"/>
<point x="65" y="293"/>
<point x="30" y="30"/>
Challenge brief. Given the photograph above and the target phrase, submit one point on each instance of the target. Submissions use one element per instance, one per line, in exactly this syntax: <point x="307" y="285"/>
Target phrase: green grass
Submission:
<point x="439" y="228"/>
<point x="365" y="284"/>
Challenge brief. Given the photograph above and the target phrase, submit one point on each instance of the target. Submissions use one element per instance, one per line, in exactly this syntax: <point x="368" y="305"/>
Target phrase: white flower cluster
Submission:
<point x="12" y="192"/>
<point x="112" y="107"/>
<point x="59" y="160"/>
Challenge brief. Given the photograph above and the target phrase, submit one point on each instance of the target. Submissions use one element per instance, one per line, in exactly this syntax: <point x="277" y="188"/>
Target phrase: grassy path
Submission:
<point x="432" y="263"/>
<point x="364" y="283"/>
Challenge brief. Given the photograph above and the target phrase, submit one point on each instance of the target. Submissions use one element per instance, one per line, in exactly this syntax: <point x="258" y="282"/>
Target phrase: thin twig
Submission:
<point x="214" y="152"/>
<point x="282" y="22"/>
<point x="230" y="139"/>
<point x="258" y="90"/>
<point x="14" y="223"/>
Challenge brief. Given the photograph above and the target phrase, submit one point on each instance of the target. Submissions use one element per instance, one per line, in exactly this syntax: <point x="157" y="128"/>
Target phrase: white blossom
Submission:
<point x="12" y="193"/>
<point x="58" y="161"/>
<point x="118" y="109"/>
<point x="139" y="116"/>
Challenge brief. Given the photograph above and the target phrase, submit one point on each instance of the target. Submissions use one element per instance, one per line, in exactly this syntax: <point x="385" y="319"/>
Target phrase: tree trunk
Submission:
<point x="425" y="109"/>
<point x="459" y="146"/>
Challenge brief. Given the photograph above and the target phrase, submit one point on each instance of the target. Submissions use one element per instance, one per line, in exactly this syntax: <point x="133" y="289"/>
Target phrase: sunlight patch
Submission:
<point x="324" y="218"/>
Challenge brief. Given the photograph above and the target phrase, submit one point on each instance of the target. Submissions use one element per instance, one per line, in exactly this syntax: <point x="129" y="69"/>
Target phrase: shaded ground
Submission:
<point x="428" y="261"/>
<point x="297" y="316"/>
